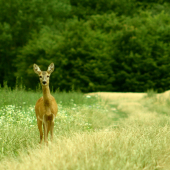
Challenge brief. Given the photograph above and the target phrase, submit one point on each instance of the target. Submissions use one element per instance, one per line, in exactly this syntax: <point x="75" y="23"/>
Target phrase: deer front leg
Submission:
<point x="39" y="123"/>
<point x="45" y="132"/>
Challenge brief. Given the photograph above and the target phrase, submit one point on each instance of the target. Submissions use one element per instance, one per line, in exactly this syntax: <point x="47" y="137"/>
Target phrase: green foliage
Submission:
<point x="85" y="8"/>
<point x="151" y="93"/>
<point x="95" y="45"/>
<point x="6" y="53"/>
<point x="77" y="56"/>
<point x="17" y="23"/>
<point x="103" y="53"/>
<point x="142" y="53"/>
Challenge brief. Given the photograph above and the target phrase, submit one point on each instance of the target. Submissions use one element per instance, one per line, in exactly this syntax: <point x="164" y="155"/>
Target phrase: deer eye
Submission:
<point x="40" y="77"/>
<point x="48" y="76"/>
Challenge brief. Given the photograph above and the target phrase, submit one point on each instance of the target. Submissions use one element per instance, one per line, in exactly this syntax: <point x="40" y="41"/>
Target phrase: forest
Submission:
<point x="99" y="45"/>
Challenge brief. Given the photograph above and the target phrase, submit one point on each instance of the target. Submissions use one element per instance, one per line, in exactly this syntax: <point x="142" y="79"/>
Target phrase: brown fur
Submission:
<point x="46" y="107"/>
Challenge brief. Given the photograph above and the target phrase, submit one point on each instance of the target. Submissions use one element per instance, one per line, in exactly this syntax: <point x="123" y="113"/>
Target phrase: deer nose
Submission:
<point x="44" y="82"/>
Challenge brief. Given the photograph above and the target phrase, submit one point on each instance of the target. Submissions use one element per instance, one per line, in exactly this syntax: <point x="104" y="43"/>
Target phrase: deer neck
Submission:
<point x="46" y="96"/>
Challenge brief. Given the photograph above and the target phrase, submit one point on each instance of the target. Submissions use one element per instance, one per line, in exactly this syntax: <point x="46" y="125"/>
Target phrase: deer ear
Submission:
<point x="50" y="68"/>
<point x="36" y="69"/>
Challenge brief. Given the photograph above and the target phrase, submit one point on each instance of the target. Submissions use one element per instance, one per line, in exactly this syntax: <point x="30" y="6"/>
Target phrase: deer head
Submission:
<point x="44" y="76"/>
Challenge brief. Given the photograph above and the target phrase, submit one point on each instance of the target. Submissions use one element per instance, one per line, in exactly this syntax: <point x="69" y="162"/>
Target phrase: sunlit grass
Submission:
<point x="89" y="133"/>
<point x="134" y="144"/>
<point x="18" y="127"/>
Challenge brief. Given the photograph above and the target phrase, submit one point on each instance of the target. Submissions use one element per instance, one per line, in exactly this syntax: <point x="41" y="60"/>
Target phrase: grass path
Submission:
<point x="148" y="109"/>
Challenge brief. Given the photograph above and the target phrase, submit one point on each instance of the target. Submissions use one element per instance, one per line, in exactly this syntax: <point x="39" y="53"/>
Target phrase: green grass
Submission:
<point x="89" y="133"/>
<point x="18" y="127"/>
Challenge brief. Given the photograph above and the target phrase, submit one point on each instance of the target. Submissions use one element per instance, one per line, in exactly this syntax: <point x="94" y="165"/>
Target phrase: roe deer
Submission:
<point x="46" y="107"/>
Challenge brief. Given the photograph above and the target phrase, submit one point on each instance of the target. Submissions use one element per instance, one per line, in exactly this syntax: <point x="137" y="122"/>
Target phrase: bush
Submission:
<point x="105" y="53"/>
<point x="80" y="57"/>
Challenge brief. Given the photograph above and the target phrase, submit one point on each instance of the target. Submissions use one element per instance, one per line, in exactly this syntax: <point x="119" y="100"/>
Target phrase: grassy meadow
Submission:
<point x="95" y="131"/>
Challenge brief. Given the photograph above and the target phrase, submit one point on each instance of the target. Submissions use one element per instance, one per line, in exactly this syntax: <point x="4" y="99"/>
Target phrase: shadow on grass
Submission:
<point x="118" y="114"/>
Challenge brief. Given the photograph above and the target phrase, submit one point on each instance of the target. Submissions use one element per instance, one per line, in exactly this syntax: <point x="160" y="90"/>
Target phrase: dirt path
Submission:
<point x="132" y="104"/>
<point x="128" y="96"/>
<point x="122" y="104"/>
<point x="119" y="96"/>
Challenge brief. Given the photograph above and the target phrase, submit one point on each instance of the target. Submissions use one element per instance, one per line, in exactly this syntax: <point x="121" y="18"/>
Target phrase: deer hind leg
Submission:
<point x="49" y="127"/>
<point x="52" y="130"/>
<point x="39" y="123"/>
<point x="52" y="126"/>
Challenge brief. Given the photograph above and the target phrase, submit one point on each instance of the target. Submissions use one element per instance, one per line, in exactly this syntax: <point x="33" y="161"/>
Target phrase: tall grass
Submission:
<point x="18" y="127"/>
<point x="89" y="134"/>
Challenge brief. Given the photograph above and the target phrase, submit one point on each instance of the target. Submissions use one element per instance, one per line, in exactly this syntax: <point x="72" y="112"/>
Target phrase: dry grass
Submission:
<point x="136" y="144"/>
<point x="119" y="96"/>
<point x="141" y="141"/>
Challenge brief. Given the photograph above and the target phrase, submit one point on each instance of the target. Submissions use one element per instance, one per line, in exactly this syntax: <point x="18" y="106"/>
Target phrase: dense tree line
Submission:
<point x="99" y="45"/>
